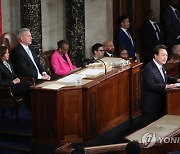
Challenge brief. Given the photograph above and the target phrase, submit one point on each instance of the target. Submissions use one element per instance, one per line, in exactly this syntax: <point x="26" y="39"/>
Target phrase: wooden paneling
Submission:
<point x="57" y="116"/>
<point x="135" y="90"/>
<point x="77" y="114"/>
<point x="173" y="101"/>
<point x="172" y="69"/>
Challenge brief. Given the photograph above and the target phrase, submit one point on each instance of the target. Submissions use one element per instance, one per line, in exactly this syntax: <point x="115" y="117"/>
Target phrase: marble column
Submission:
<point x="75" y="29"/>
<point x="31" y="18"/>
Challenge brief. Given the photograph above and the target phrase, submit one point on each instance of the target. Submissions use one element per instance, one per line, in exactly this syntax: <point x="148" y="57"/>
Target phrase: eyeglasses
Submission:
<point x="101" y="50"/>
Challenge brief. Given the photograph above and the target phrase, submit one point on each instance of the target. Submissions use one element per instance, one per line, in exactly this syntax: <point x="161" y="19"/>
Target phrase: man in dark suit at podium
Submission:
<point x="154" y="83"/>
<point x="24" y="58"/>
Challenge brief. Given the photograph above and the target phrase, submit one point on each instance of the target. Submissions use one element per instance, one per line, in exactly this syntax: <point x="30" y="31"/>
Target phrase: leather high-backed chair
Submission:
<point x="7" y="99"/>
<point x="9" y="40"/>
<point x="46" y="57"/>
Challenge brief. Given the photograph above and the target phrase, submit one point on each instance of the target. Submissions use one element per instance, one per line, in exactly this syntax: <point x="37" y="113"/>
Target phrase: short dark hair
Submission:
<point x="158" y="47"/>
<point x="2" y="51"/>
<point x="121" y="19"/>
<point x="61" y="43"/>
<point x="133" y="147"/>
<point x="96" y="46"/>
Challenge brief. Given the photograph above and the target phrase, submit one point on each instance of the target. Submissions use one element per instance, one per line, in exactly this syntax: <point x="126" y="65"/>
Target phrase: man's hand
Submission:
<point x="137" y="57"/>
<point x="17" y="80"/>
<point x="170" y="86"/>
<point x="46" y="77"/>
<point x="178" y="80"/>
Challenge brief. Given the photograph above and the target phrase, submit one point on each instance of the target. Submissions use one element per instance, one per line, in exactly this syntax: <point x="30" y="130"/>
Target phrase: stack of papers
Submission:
<point x="90" y="72"/>
<point x="51" y="85"/>
<point x="177" y="85"/>
<point x="72" y="78"/>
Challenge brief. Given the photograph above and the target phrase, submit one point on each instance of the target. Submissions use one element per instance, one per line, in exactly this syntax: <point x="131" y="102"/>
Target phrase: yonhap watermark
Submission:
<point x="150" y="138"/>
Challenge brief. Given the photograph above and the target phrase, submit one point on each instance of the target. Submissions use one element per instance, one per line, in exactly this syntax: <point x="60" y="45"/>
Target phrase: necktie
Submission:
<point x="30" y="55"/>
<point x="157" y="30"/>
<point x="8" y="66"/>
<point x="161" y="71"/>
<point x="177" y="14"/>
<point x="130" y="37"/>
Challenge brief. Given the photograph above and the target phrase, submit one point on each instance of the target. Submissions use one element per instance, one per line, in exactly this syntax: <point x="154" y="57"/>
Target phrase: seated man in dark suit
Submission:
<point x="24" y="58"/>
<point x="98" y="53"/>
<point x="108" y="48"/>
<point x="154" y="83"/>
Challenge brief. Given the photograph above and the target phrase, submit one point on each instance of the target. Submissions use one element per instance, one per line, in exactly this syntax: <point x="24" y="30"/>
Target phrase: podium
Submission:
<point x="80" y="112"/>
<point x="173" y="101"/>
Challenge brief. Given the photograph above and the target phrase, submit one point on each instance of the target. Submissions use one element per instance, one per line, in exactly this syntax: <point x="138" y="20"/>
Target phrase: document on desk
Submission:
<point x="72" y="78"/>
<point x="51" y="85"/>
<point x="177" y="85"/>
<point x="90" y="72"/>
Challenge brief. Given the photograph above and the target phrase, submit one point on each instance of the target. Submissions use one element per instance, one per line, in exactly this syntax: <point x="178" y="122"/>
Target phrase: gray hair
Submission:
<point x="21" y="31"/>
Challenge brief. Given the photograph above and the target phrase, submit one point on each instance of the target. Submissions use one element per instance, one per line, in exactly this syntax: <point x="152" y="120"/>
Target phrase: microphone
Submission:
<point x="105" y="69"/>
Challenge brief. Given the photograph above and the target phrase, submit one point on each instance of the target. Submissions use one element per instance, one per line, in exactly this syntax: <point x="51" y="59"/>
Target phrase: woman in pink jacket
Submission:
<point x="60" y="61"/>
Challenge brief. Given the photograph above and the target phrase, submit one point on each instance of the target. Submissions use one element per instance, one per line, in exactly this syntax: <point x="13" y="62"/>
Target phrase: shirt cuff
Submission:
<point x="44" y="73"/>
<point x="39" y="76"/>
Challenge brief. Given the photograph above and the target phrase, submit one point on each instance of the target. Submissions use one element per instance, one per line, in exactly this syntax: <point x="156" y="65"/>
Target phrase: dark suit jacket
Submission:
<point x="6" y="76"/>
<point x="153" y="89"/>
<point x="123" y="41"/>
<point x="149" y="39"/>
<point x="171" y="27"/>
<point x="23" y="64"/>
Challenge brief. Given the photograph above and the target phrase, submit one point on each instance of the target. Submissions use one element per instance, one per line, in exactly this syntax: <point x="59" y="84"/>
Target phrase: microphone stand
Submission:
<point x="105" y="69"/>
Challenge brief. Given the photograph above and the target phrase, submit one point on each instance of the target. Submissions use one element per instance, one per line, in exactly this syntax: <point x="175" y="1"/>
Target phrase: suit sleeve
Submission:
<point x="21" y="65"/>
<point x="169" y="21"/>
<point x="120" y="41"/>
<point x="5" y="82"/>
<point x="171" y="80"/>
<point x="151" y="81"/>
<point x="145" y="36"/>
<point x="57" y="66"/>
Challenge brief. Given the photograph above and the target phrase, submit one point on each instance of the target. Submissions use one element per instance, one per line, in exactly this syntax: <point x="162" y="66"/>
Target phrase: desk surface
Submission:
<point x="163" y="127"/>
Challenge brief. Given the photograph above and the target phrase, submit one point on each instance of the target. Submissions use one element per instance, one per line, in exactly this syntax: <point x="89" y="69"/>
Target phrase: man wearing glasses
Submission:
<point x="97" y="51"/>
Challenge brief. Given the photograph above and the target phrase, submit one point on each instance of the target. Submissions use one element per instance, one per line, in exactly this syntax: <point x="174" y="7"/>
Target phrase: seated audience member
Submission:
<point x="123" y="53"/>
<point x="97" y="51"/>
<point x="133" y="147"/>
<point x="8" y="77"/>
<point x="154" y="83"/>
<point x="60" y="61"/>
<point x="25" y="60"/>
<point x="108" y="48"/>
<point x="175" y="55"/>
